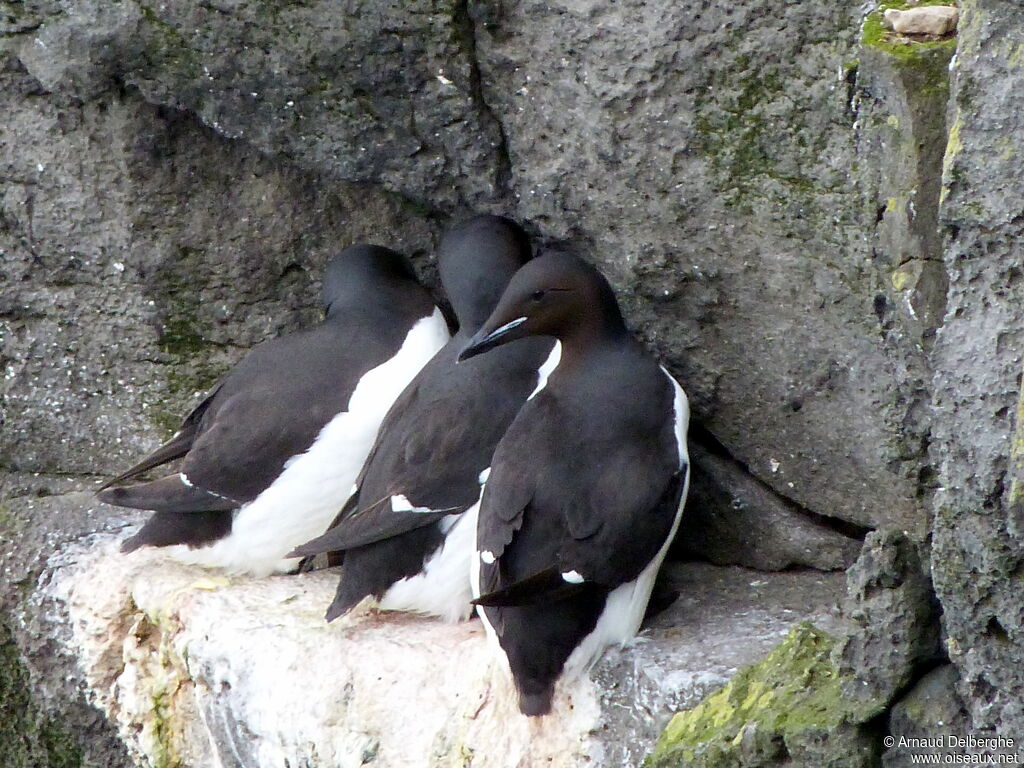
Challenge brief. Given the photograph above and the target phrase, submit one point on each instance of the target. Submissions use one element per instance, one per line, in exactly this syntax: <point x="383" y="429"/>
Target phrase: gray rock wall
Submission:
<point x="816" y="226"/>
<point x="142" y="255"/>
<point x="705" y="157"/>
<point x="978" y="434"/>
<point x="702" y="154"/>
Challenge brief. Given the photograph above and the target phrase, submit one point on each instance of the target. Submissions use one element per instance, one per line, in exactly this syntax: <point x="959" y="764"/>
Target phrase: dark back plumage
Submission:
<point x="442" y="430"/>
<point x="273" y="404"/>
<point x="586" y="484"/>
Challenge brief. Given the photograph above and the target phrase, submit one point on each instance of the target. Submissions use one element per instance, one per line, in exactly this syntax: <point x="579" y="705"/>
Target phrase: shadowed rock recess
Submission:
<point x="813" y="221"/>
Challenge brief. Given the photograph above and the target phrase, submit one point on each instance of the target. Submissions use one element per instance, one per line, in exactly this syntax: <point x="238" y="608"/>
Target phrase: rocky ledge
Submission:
<point x="193" y="668"/>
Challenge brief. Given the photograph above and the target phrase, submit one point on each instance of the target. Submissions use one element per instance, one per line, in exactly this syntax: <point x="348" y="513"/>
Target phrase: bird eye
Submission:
<point x="537" y="295"/>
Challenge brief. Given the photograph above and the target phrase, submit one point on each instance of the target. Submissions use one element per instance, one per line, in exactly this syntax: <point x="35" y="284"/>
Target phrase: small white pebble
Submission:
<point x="925" y="20"/>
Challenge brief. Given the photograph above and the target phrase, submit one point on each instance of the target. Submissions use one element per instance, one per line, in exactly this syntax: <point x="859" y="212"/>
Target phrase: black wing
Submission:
<point x="435" y="441"/>
<point x="599" y="510"/>
<point x="168" y="494"/>
<point x="275" y="402"/>
<point x="269" y="408"/>
<point x="588" y="558"/>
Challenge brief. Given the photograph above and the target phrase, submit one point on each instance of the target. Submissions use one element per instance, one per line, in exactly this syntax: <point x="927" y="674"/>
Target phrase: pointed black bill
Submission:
<point x="484" y="341"/>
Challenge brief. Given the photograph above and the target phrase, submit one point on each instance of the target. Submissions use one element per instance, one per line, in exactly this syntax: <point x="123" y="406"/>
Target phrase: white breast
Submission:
<point x="547" y="368"/>
<point x="443" y="587"/>
<point x="315" y="484"/>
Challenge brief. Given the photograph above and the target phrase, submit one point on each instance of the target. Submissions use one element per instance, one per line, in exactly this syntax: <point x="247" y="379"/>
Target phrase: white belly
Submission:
<point x="307" y="495"/>
<point x="443" y="587"/>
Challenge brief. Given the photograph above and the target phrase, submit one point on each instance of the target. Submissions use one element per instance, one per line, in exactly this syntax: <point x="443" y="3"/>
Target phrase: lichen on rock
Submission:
<point x="783" y="708"/>
<point x="28" y="737"/>
<point x="812" y="699"/>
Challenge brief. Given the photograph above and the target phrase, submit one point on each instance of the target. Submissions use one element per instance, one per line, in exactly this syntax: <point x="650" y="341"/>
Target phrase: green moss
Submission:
<point x="166" y="421"/>
<point x="197" y="377"/>
<point x="1007" y="147"/>
<point x="794" y="691"/>
<point x="1017" y="455"/>
<point x="184" y="336"/>
<point x="164" y="754"/>
<point x="929" y="54"/>
<point x="954" y="146"/>
<point x="168" y="49"/>
<point x="183" y="332"/>
<point x="164" y="675"/>
<point x="1015" y="59"/>
<point x="61" y="747"/>
<point x="418" y="208"/>
<point x="27" y="738"/>
<point x="901" y="278"/>
<point x="8" y="522"/>
<point x="740" y="132"/>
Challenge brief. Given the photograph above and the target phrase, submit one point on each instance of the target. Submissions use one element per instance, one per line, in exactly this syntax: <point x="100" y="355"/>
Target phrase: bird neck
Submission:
<point x="588" y="341"/>
<point x="472" y="314"/>
<point x="381" y="303"/>
<point x="474" y="290"/>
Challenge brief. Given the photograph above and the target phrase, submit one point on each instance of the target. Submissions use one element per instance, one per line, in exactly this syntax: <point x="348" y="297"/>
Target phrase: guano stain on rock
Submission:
<point x="189" y="666"/>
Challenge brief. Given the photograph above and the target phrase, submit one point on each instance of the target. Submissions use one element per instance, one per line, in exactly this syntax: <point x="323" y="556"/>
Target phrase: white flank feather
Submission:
<point x="547" y="368"/>
<point x="442" y="588"/>
<point x="306" y="496"/>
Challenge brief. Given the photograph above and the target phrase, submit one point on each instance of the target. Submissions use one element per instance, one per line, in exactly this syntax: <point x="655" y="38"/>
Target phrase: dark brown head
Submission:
<point x="361" y="272"/>
<point x="476" y="259"/>
<point x="553" y="295"/>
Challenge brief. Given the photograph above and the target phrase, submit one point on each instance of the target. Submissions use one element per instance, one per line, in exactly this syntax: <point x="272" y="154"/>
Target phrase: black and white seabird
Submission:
<point x="409" y="529"/>
<point x="271" y="454"/>
<point x="586" y="488"/>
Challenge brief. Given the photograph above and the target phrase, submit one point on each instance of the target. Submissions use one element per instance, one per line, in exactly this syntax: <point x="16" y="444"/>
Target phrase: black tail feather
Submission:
<point x="173" y="449"/>
<point x="168" y="494"/>
<point x="536" y="703"/>
<point x="548" y="586"/>
<point x="344" y="601"/>
<point x="193" y="529"/>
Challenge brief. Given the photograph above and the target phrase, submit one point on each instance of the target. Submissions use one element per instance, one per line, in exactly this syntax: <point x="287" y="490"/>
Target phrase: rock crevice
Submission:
<point x="816" y="226"/>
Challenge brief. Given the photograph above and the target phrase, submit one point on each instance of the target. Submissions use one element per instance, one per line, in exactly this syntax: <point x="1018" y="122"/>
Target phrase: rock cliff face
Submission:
<point x="812" y="221"/>
<point x="978" y="433"/>
<point x="190" y="668"/>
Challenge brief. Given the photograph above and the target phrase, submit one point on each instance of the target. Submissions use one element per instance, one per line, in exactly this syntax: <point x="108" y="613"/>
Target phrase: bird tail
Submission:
<point x="173" y="449"/>
<point x="192" y="529"/>
<point x="168" y="494"/>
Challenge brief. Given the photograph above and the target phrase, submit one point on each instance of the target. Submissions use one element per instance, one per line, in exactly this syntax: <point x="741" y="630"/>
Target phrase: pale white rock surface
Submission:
<point x="195" y="668"/>
<point x="924" y="20"/>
